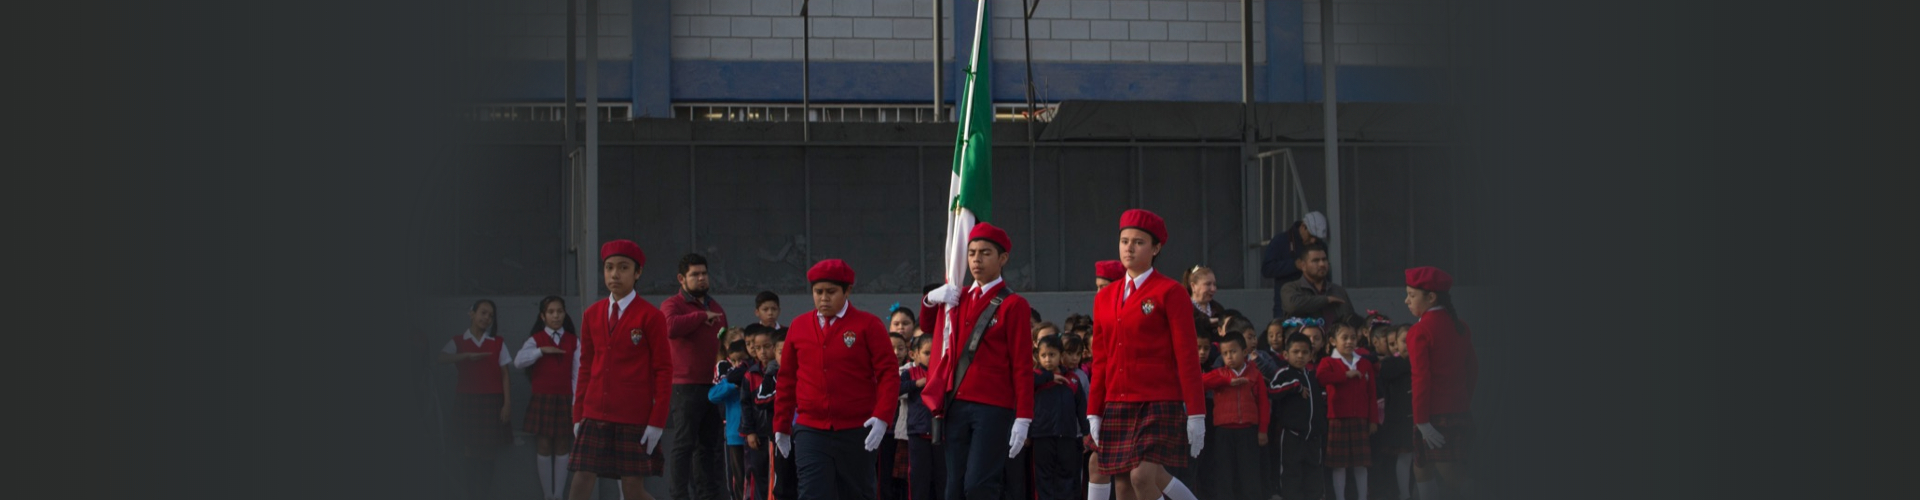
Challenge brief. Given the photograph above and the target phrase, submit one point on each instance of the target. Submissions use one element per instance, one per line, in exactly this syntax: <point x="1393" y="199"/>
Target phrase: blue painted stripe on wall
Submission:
<point x="910" y="82"/>
<point x="1286" y="53"/>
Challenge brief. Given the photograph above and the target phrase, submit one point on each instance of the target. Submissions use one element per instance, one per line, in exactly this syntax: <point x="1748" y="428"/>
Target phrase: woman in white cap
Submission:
<point x="1284" y="248"/>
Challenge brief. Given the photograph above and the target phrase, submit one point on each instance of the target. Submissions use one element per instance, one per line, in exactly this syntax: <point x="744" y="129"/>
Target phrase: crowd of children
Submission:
<point x="1304" y="410"/>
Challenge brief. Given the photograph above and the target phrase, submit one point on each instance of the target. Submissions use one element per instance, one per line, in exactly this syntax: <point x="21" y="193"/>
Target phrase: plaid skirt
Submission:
<point x="900" y="459"/>
<point x="1347" y="443"/>
<point x="613" y="450"/>
<point x="476" y="421"/>
<point x="549" y="416"/>
<point x="1457" y="429"/>
<point x="1153" y="431"/>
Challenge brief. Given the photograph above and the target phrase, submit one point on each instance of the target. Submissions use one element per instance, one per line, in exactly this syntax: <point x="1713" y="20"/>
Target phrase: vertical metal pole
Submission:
<point x="693" y="202"/>
<point x="1246" y="68"/>
<point x="1331" y="141"/>
<point x="1026" y="35"/>
<point x="590" y="179"/>
<point x="920" y="174"/>
<point x="939" y="59"/>
<point x="567" y="151"/>
<point x="806" y="76"/>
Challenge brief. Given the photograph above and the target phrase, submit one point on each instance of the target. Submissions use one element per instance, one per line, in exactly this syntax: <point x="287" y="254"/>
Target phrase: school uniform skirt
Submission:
<point x="902" y="463"/>
<point x="1457" y="429"/>
<point x="1130" y="433"/>
<point x="612" y="450"/>
<point x="477" y="420"/>
<point x="1347" y="443"/>
<point x="549" y="416"/>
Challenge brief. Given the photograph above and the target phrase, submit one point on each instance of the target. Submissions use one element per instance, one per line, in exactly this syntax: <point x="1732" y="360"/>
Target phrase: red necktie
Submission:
<point x="1130" y="287"/>
<point x="616" y="312"/>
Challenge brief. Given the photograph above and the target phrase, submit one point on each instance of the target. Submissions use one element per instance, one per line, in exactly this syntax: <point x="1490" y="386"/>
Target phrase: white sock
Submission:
<point x="1360" y="481"/>
<point x="1177" y="491"/>
<point x="562" y="475"/>
<point x="1403" y="466"/>
<point x="1339" y="483"/>
<point x="1430" y="490"/>
<point x="1097" y="491"/>
<point x="545" y="464"/>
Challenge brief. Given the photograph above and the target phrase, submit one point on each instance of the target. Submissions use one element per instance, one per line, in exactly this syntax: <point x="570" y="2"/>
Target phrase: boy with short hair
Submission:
<point x="1240" y="417"/>
<point x="1302" y="409"/>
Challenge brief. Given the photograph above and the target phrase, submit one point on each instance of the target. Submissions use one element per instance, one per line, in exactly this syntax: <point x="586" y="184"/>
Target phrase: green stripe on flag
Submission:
<point x="973" y="143"/>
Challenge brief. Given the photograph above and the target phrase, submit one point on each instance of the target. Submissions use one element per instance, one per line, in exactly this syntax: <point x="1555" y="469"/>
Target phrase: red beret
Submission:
<point x="1110" y="270"/>
<point x="1429" y="278"/>
<point x="834" y="270"/>
<point x="997" y="236"/>
<point x="624" y="248"/>
<point x="1145" y="221"/>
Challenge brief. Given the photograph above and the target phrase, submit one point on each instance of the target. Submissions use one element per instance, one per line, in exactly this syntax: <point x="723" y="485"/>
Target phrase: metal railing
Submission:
<point x="541" y="112"/>
<point x="844" y="113"/>
<point x="1282" y="198"/>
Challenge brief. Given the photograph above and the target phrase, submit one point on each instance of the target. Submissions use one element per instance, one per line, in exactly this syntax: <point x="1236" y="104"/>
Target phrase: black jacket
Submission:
<point x="1306" y="416"/>
<point x="1058" y="409"/>
<point x="1395" y="383"/>
<point x="1277" y="264"/>
<point x="919" y="418"/>
<point x="756" y="404"/>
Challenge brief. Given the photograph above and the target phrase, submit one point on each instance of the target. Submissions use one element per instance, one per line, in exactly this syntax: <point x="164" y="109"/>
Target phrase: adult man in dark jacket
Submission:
<point x="1315" y="295"/>
<point x="1284" y="248"/>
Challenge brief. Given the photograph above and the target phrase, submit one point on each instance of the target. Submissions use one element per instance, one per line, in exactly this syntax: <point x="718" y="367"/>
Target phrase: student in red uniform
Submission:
<point x="694" y="452"/>
<point x="1352" y="414"/>
<point x="984" y="412"/>
<point x="1099" y="486"/>
<point x="838" y="388"/>
<point x="1240" y="417"/>
<point x="620" y="401"/>
<point x="1106" y="272"/>
<point x="548" y="358"/>
<point x="1440" y="352"/>
<point x="1144" y="370"/>
<point x="481" y="397"/>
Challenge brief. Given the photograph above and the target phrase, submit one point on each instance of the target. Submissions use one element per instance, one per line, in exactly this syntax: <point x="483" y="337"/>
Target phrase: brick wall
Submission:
<point x="1197" y="31"/>
<point x="537" y="29"/>
<point x="843" y="30"/>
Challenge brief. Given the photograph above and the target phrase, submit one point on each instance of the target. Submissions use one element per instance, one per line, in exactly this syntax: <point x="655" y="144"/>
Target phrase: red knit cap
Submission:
<point x="834" y="270"/>
<point x="1110" y="270"/>
<point x="1145" y="221"/>
<point x="623" y="248"/>
<point x="995" y="235"/>
<point x="1429" y="278"/>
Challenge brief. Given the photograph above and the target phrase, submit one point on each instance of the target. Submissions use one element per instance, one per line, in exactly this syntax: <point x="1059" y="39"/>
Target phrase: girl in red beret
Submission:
<point x="1440" y="352"/>
<point x="622" y="389"/>
<point x="1146" y="409"/>
<point x="482" y="394"/>
<point x="548" y="358"/>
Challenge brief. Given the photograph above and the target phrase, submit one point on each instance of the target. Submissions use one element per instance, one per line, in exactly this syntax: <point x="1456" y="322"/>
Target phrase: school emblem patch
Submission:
<point x="1147" y="308"/>
<point x="636" y="336"/>
<point x="847" y="338"/>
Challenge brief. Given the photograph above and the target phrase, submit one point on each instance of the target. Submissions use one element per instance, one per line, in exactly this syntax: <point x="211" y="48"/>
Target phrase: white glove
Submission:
<point x="946" y="294"/>
<point x="1196" y="434"/>
<point x="876" y="431"/>
<point x="1431" y="435"/>
<point x="1019" y="439"/>
<point x="651" y="438"/>
<point x="576" y="429"/>
<point x="1093" y="427"/>
<point x="784" y="442"/>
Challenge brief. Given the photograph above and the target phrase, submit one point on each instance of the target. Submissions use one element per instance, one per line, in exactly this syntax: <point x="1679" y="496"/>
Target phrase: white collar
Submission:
<point x="1352" y="364"/>
<point x="1141" y="280"/>
<point x="1243" y="369"/>
<point x="476" y="340"/>
<point x="555" y="333"/>
<point x="977" y="287"/>
<point x="623" y="301"/>
<point x="841" y="314"/>
<point x="1205" y="307"/>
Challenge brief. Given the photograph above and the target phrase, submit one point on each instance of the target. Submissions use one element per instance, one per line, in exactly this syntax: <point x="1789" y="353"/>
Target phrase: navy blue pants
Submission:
<point x="833" y="465"/>
<point x="976" y="441"/>
<point x="928" y="465"/>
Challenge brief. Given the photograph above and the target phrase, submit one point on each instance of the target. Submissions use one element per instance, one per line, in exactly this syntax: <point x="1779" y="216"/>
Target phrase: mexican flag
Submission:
<point x="970" y="190"/>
